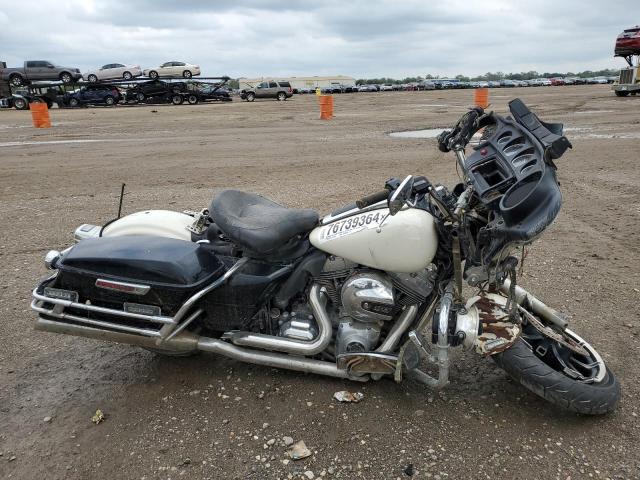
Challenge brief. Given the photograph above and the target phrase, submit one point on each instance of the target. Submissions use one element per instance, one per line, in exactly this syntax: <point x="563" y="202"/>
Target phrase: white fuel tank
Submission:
<point x="405" y="242"/>
<point x="161" y="223"/>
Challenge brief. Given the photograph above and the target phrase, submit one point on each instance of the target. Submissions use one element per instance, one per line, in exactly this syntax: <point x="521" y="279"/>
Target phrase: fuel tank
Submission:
<point x="405" y="242"/>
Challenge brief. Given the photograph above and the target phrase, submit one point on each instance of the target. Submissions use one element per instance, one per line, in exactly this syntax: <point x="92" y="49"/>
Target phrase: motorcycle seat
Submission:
<point x="258" y="224"/>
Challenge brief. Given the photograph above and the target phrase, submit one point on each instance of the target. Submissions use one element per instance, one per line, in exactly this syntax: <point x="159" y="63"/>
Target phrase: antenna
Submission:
<point x="121" y="198"/>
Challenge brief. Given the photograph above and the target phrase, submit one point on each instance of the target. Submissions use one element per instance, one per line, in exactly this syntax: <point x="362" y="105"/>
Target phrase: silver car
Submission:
<point x="113" y="71"/>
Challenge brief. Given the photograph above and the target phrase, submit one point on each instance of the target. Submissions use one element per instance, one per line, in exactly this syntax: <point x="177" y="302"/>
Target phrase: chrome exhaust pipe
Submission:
<point x="186" y="342"/>
<point x="318" y="301"/>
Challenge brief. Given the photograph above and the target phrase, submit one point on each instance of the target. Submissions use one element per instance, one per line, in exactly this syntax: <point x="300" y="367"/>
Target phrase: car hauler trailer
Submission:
<point x="628" y="47"/>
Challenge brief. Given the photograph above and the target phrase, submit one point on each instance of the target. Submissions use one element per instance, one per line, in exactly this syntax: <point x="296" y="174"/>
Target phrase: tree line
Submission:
<point x="490" y="76"/>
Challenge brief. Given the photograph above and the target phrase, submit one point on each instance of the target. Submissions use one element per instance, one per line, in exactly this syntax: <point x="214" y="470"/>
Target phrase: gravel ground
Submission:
<point x="209" y="417"/>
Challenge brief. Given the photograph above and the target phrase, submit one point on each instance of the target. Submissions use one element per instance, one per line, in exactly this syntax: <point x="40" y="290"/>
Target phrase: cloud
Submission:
<point x="359" y="38"/>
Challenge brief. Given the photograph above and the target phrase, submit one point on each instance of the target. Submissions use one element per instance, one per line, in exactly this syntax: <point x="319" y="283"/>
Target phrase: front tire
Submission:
<point x="92" y="78"/>
<point x="537" y="374"/>
<point x="110" y="101"/>
<point x="177" y="99"/>
<point x="250" y="97"/>
<point x="153" y="74"/>
<point x="621" y="93"/>
<point x="74" y="102"/>
<point x="192" y="99"/>
<point x="127" y="75"/>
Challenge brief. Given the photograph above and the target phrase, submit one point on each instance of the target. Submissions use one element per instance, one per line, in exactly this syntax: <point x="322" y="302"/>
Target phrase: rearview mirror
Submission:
<point x="401" y="195"/>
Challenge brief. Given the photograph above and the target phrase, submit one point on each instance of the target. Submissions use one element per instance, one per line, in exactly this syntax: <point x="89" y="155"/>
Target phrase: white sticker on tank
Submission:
<point x="354" y="224"/>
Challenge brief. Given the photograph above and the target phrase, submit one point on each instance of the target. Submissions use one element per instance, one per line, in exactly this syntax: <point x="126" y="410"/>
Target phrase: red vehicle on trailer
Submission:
<point x="628" y="42"/>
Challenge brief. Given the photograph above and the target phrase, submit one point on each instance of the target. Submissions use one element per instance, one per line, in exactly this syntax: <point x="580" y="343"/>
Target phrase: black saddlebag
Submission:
<point x="137" y="269"/>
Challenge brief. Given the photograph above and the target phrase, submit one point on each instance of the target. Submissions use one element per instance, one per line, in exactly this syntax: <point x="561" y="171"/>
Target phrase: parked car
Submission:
<point x="268" y="89"/>
<point x="173" y="69"/>
<point x="628" y="42"/>
<point x="367" y="88"/>
<point x="37" y="70"/>
<point x="92" y="94"/>
<point x="493" y="84"/>
<point x="156" y="90"/>
<point x="23" y="97"/>
<point x="387" y="87"/>
<point x="569" y="81"/>
<point x="557" y="81"/>
<point x="426" y="85"/>
<point x="214" y="93"/>
<point x="113" y="71"/>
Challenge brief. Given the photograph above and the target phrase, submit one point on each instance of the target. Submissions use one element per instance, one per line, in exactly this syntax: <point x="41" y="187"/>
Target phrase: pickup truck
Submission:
<point x="37" y="70"/>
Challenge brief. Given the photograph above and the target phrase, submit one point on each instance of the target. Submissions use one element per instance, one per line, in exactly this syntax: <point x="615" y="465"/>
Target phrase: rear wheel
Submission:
<point x="187" y="74"/>
<point x="153" y="74"/>
<point x="192" y="99"/>
<point x="177" y="99"/>
<point x="621" y="94"/>
<point x="110" y="101"/>
<point x="140" y="96"/>
<point x="577" y="381"/>
<point x="16" y="80"/>
<point x="127" y="75"/>
<point x="66" y="77"/>
<point x="92" y="78"/>
<point x="20" y="104"/>
<point x="251" y="97"/>
<point x="74" y="102"/>
<point x="282" y="96"/>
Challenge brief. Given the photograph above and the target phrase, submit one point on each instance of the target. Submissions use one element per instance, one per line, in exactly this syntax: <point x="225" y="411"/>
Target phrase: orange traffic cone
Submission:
<point x="40" y="115"/>
<point x="481" y="97"/>
<point x="326" y="107"/>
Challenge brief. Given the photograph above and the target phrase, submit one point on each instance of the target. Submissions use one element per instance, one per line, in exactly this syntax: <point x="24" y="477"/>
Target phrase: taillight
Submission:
<point x="290" y="90"/>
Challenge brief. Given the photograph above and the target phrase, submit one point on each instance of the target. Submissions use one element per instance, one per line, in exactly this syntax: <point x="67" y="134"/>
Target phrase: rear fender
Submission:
<point x="161" y="223"/>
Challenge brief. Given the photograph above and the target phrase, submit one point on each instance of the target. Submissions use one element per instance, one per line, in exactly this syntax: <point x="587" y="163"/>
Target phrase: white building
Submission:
<point x="302" y="82"/>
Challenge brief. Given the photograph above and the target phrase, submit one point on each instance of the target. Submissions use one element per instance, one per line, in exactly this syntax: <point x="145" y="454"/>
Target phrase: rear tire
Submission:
<point x="153" y="74"/>
<point x="522" y="364"/>
<point x="621" y="94"/>
<point x="92" y="78"/>
<point x="282" y="96"/>
<point x="16" y="80"/>
<point x="127" y="75"/>
<point x="187" y="74"/>
<point x="177" y="99"/>
<point x="251" y="97"/>
<point x="66" y="77"/>
<point x="20" y="104"/>
<point x="74" y="102"/>
<point x="192" y="99"/>
<point x="110" y="101"/>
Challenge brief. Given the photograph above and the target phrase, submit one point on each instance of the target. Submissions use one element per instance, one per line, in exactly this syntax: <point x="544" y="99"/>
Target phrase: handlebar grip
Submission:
<point x="372" y="199"/>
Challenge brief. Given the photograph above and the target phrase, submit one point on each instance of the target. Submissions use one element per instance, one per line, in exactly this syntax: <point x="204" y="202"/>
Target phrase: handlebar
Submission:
<point x="372" y="199"/>
<point x="462" y="132"/>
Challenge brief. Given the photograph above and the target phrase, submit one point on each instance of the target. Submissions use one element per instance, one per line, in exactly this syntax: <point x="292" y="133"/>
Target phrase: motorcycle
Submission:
<point x="372" y="290"/>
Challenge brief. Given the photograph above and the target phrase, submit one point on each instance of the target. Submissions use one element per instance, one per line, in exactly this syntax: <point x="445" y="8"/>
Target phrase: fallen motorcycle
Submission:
<point x="372" y="290"/>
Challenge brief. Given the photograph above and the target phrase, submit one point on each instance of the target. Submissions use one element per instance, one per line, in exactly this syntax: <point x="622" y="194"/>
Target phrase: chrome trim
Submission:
<point x="404" y="321"/>
<point x="167" y="329"/>
<point x="188" y="342"/>
<point x="317" y="301"/>
<point x="537" y="306"/>
<point x="93" y="308"/>
<point x="327" y="219"/>
<point x="51" y="258"/>
<point x="137" y="289"/>
<point x="97" y="323"/>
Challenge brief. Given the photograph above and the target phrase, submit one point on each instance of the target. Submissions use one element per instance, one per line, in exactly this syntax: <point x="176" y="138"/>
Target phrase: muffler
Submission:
<point x="186" y="342"/>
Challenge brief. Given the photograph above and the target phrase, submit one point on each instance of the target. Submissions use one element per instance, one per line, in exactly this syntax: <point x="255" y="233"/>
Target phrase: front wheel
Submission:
<point x="620" y="93"/>
<point x="575" y="381"/>
<point x="250" y="97"/>
<point x="127" y="75"/>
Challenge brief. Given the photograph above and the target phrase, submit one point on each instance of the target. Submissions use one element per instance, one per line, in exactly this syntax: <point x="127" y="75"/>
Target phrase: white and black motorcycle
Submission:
<point x="369" y="291"/>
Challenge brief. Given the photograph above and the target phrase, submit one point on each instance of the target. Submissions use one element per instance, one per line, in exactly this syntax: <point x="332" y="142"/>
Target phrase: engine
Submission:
<point x="364" y="300"/>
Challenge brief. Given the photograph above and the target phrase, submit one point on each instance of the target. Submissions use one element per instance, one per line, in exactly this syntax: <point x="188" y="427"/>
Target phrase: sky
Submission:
<point x="359" y="38"/>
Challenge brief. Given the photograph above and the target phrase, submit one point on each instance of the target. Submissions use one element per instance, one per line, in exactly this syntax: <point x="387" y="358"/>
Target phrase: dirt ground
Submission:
<point x="209" y="417"/>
